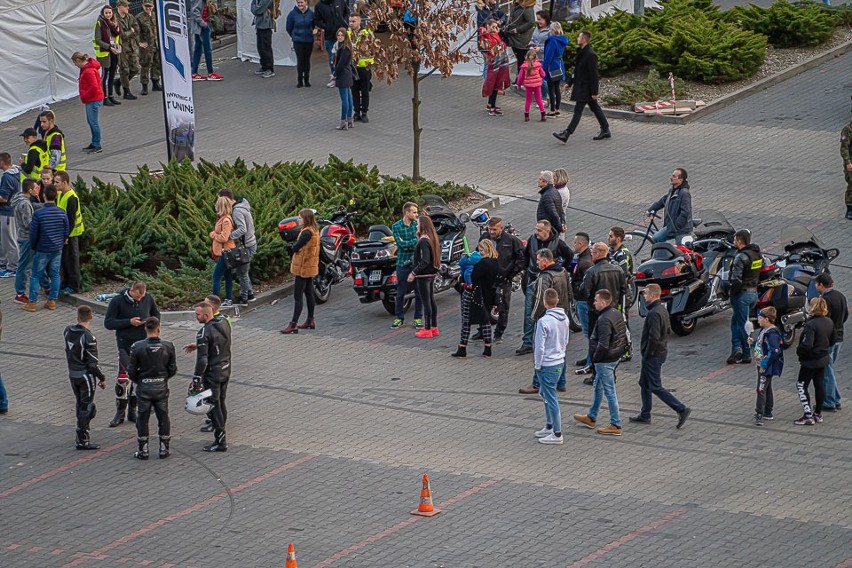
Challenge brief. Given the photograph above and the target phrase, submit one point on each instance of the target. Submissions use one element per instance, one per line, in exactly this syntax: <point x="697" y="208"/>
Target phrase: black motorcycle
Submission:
<point x="374" y="269"/>
<point x="451" y="230"/>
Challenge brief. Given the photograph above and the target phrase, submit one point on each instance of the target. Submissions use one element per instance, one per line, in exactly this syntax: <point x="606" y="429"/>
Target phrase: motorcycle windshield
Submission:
<point x="796" y="235"/>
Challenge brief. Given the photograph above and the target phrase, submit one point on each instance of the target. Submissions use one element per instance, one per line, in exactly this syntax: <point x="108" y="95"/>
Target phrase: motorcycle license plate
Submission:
<point x="375" y="276"/>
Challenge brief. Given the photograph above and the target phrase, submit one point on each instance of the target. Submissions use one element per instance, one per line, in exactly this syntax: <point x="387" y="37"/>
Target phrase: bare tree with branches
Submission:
<point x="422" y="34"/>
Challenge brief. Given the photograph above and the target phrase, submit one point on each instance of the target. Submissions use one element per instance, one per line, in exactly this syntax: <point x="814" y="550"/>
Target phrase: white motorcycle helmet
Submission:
<point x="197" y="403"/>
<point x="480" y="217"/>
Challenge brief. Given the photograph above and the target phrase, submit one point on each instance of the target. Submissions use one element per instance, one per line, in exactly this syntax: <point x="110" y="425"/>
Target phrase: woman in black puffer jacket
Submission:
<point x="817" y="336"/>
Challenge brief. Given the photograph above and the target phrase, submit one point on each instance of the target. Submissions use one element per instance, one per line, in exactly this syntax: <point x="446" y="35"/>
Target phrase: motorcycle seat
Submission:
<point x="377" y="232"/>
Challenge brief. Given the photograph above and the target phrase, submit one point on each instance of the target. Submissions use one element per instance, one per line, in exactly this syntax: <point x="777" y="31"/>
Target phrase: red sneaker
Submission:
<point x="434" y="332"/>
<point x="197" y="77"/>
<point x="424" y="334"/>
<point x="21" y="299"/>
<point x="214" y="77"/>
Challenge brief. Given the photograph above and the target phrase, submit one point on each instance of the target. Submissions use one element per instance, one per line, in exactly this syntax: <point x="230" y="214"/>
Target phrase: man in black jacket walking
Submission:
<point x="607" y="343"/>
<point x="81" y="351"/>
<point x="152" y="364"/>
<point x="126" y="315"/>
<point x="603" y="275"/>
<point x="655" y="334"/>
<point x="584" y="85"/>
<point x="213" y="368"/>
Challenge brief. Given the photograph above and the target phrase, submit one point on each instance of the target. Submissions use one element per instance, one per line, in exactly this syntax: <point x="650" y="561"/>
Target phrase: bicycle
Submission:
<point x="646" y="236"/>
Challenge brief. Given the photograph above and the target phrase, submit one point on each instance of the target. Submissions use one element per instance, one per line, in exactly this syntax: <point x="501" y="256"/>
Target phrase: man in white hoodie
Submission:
<point x="550" y="340"/>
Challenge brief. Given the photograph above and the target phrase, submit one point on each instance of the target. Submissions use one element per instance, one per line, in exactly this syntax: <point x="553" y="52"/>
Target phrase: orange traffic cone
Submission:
<point x="291" y="557"/>
<point x="426" y="508"/>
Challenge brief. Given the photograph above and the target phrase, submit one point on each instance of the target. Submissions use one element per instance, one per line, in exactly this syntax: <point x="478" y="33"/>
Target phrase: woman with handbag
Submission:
<point x="554" y="65"/>
<point x="479" y="297"/>
<point x="344" y="78"/>
<point x="304" y="265"/>
<point x="425" y="265"/>
<point x="222" y="241"/>
<point x="107" y="42"/>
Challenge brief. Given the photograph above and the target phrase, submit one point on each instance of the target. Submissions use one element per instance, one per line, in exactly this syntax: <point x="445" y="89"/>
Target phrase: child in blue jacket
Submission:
<point x="769" y="357"/>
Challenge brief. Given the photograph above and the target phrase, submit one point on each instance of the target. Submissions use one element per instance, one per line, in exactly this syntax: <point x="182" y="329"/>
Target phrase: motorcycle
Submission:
<point x="374" y="269"/>
<point x="337" y="237"/>
<point x="451" y="230"/>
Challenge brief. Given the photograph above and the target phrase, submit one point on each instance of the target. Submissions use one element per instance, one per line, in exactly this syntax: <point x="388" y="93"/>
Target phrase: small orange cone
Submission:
<point x="426" y="508"/>
<point x="291" y="557"/>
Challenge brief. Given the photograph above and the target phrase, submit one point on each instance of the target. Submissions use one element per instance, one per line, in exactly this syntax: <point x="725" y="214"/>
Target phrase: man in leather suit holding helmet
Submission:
<point x="213" y="368"/>
<point x="152" y="363"/>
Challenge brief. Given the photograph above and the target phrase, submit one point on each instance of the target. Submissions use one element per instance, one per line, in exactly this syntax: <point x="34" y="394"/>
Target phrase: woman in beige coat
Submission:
<point x="222" y="241"/>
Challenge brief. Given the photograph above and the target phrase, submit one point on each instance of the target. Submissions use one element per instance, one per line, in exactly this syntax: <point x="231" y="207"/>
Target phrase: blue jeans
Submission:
<point x="651" y="383"/>
<point x="529" y="324"/>
<point x="4" y="400"/>
<point x="832" y="395"/>
<point x="402" y="286"/>
<point x="346" y="105"/>
<point x="329" y="44"/>
<point x="605" y="386"/>
<point x="560" y="382"/>
<point x="741" y="306"/>
<point x="583" y="312"/>
<point x="92" y="111"/>
<point x="50" y="261"/>
<point x="548" y="376"/>
<point x="220" y="270"/>
<point x="202" y="41"/>
<point x="25" y="264"/>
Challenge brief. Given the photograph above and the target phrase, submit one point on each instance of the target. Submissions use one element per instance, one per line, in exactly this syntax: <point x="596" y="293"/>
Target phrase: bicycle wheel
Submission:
<point x="640" y="240"/>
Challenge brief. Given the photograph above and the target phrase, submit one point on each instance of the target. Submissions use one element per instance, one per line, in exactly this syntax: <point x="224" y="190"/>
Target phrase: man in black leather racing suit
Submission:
<point x="213" y="368"/>
<point x="81" y="351"/>
<point x="152" y="363"/>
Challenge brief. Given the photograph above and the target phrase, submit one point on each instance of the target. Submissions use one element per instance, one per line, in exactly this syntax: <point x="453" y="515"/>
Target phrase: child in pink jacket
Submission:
<point x="531" y="76"/>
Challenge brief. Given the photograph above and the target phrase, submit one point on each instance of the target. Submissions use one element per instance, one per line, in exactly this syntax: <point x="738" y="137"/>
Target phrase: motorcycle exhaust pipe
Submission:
<point x="792" y="320"/>
<point x="705" y="311"/>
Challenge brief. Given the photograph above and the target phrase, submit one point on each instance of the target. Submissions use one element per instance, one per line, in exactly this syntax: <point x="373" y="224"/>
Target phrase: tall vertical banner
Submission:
<point x="177" y="79"/>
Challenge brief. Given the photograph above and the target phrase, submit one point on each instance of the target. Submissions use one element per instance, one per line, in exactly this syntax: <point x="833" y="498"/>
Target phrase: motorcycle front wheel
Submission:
<point x="390" y="304"/>
<point x="574" y="318"/>
<point x="322" y="289"/>
<point x="683" y="327"/>
<point x="787" y="337"/>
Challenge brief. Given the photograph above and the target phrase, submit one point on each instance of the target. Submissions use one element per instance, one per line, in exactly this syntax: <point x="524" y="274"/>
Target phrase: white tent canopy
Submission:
<point x="37" y="38"/>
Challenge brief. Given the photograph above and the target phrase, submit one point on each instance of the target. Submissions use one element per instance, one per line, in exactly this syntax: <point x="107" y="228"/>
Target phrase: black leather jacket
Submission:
<point x="152" y="364"/>
<point x="609" y="338"/>
<point x="604" y="276"/>
<point x="213" y="349"/>
<point x="81" y="351"/>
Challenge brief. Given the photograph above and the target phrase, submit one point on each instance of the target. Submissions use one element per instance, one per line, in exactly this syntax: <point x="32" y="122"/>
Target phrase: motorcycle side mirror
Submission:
<point x="464" y="217"/>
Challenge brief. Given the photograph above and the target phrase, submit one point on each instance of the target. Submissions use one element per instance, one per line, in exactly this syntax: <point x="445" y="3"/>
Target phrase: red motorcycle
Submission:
<point x="337" y="238"/>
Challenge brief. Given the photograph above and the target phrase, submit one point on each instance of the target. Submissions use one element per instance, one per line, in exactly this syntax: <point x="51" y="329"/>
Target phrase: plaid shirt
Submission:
<point x="406" y="240"/>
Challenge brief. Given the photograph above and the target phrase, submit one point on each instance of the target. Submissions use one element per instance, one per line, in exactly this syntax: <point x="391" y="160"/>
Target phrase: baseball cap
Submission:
<point x="148" y="3"/>
<point x="121" y="3"/>
<point x="29" y="132"/>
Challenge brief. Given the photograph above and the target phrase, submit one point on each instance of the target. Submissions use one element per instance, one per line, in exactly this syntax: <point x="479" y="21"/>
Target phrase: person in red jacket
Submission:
<point x="91" y="94"/>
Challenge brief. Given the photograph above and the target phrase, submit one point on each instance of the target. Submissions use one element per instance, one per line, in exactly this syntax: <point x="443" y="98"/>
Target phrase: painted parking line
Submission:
<point x="606" y="549"/>
<point x="100" y="553"/>
<point x="399" y="526"/>
<point x="70" y="465"/>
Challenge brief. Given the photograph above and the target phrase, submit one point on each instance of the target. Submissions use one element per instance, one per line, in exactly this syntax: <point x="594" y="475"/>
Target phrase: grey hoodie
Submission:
<point x="243" y="223"/>
<point x="262" y="17"/>
<point x="23" y="209"/>
<point x="551" y="338"/>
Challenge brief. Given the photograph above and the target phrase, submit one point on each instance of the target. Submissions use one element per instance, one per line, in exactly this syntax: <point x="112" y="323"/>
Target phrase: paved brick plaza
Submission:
<point x="331" y="430"/>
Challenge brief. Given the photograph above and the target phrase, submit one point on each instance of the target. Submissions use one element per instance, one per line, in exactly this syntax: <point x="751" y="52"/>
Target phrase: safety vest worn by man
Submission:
<point x="43" y="160"/>
<point x="362" y="33"/>
<point x="77" y="228"/>
<point x="60" y="166"/>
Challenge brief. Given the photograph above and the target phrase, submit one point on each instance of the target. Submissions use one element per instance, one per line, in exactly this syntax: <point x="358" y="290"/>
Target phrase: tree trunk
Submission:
<point x="415" y="123"/>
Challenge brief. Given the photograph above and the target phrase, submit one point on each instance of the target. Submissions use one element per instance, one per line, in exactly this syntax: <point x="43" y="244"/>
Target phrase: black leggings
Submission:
<point x="806" y="376"/>
<point x="303" y="60"/>
<point x="304" y="287"/>
<point x="492" y="99"/>
<point x="108" y="75"/>
<point x="426" y="289"/>
<point x="555" y="94"/>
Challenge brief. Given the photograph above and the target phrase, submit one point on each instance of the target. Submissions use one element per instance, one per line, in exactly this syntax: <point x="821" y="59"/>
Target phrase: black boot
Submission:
<point x="307" y="81"/>
<point x="460" y="352"/>
<point x="144" y="88"/>
<point x="156" y="86"/>
<point x="120" y="405"/>
<point x="142" y="452"/>
<point x="131" y="409"/>
<point x="602" y="135"/>
<point x="108" y="103"/>
<point x="113" y="100"/>
<point x="357" y="117"/>
<point x="83" y="442"/>
<point x="219" y="445"/>
<point x="849" y="212"/>
<point x="486" y="352"/>
<point x="129" y="96"/>
<point x="562" y="136"/>
<point x="364" y="118"/>
<point x="164" y="447"/>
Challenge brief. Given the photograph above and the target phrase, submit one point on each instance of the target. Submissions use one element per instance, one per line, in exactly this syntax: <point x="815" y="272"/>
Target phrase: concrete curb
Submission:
<point x="266" y="297"/>
<point x="731" y="98"/>
<point x="224" y="41"/>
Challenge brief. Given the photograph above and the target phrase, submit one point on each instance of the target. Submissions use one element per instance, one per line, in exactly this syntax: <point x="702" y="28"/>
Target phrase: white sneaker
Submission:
<point x="550" y="439"/>
<point x="330" y="84"/>
<point x="544" y="432"/>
